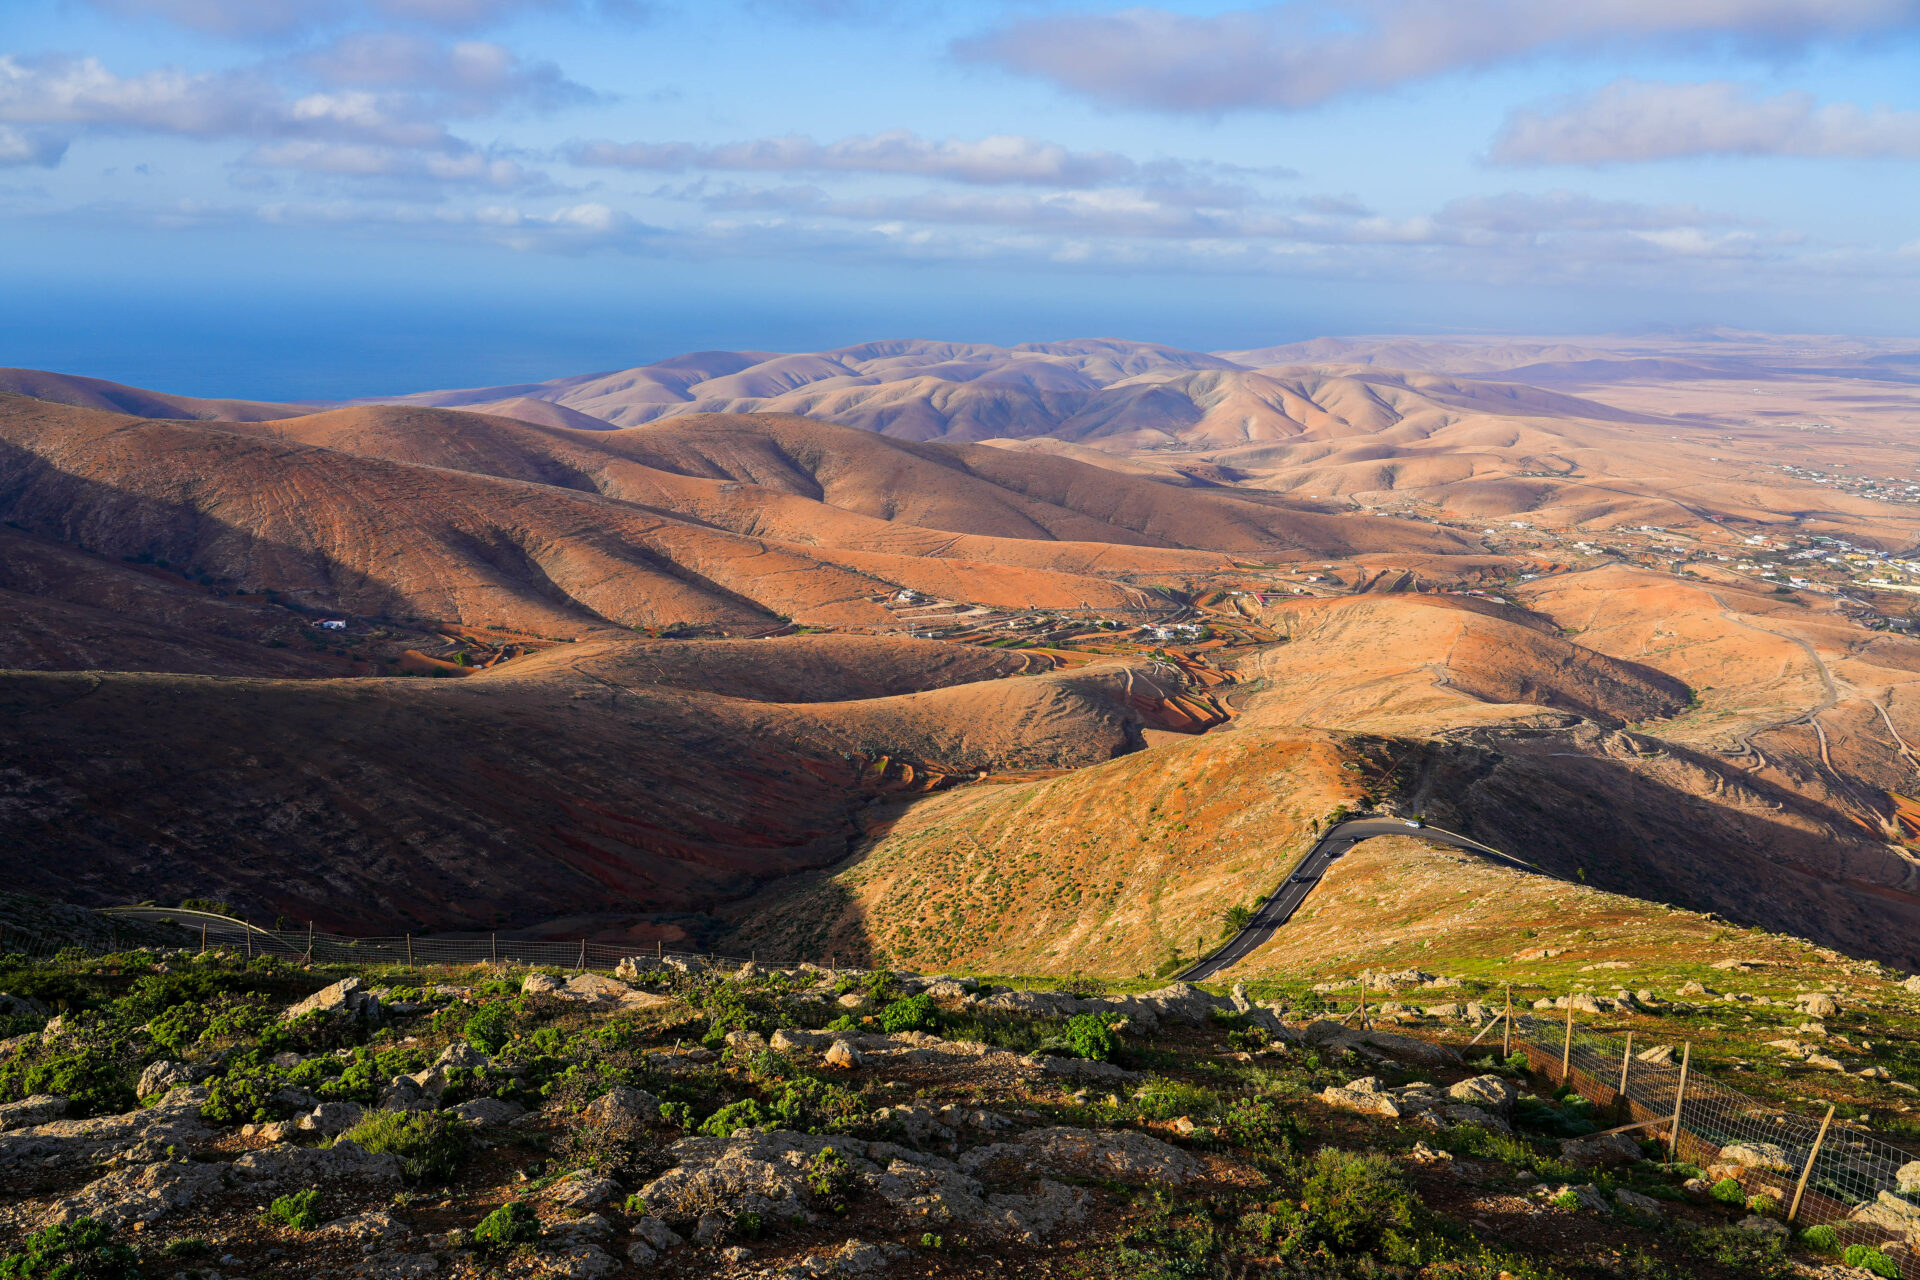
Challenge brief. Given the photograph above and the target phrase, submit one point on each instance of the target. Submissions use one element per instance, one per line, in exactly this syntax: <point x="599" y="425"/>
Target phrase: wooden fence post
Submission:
<point x="203" y="937"/>
<point x="309" y="942"/>
<point x="409" y="951"/>
<point x="1506" y="1035"/>
<point x="493" y="947"/>
<point x="582" y="966"/>
<point x="1626" y="1064"/>
<point x="1800" y="1188"/>
<point x="1679" y="1099"/>
<point x="1566" y="1050"/>
<point x="248" y="926"/>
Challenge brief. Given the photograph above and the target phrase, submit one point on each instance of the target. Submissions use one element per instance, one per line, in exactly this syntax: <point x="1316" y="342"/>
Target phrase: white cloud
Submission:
<point x="279" y="19"/>
<point x="40" y="147"/>
<point x="82" y="93"/>
<point x="1633" y="120"/>
<point x="996" y="159"/>
<point x="1299" y="54"/>
<point x="468" y="77"/>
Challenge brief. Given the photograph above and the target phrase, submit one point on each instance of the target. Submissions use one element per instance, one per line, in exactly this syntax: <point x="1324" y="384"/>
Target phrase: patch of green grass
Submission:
<point x="82" y="1250"/>
<point x="513" y="1223"/>
<point x="430" y="1146"/>
<point x="296" y="1211"/>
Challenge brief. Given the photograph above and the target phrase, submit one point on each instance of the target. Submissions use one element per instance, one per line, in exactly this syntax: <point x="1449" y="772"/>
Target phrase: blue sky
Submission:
<point x="283" y="198"/>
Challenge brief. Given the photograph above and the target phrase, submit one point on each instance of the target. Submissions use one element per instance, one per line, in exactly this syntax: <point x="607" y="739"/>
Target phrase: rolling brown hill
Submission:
<point x="772" y="475"/>
<point x="394" y="539"/>
<point x="96" y="393"/>
<point x="554" y="786"/>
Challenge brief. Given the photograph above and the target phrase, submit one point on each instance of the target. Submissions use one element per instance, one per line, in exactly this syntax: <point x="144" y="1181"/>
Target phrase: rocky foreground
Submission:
<point x="207" y="1116"/>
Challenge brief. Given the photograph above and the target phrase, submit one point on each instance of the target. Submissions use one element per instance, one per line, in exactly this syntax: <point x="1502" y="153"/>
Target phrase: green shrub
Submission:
<point x="845" y="1022"/>
<point x="296" y="1211"/>
<point x="1729" y="1191"/>
<point x="95" y="1072"/>
<point x="830" y="1179"/>
<point x="82" y="1250"/>
<point x="1566" y="1200"/>
<point x="748" y="1225"/>
<point x="430" y="1145"/>
<point x="489" y="1029"/>
<point x="186" y="1247"/>
<point x="1822" y="1238"/>
<point x="1868" y="1258"/>
<point x="512" y="1223"/>
<point x="915" y="1013"/>
<point x="1163" y="1098"/>
<point x="1763" y="1205"/>
<point x="744" y="1114"/>
<point x="1090" y="1036"/>
<point x="1355" y="1202"/>
<point x="635" y="1206"/>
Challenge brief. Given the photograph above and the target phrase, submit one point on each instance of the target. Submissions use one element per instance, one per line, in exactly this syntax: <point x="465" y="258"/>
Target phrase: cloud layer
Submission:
<point x="1637" y="120"/>
<point x="1301" y="54"/>
<point x="1000" y="158"/>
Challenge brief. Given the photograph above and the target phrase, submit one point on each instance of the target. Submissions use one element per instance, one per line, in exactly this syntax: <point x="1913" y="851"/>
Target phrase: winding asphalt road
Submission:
<point x="1293" y="891"/>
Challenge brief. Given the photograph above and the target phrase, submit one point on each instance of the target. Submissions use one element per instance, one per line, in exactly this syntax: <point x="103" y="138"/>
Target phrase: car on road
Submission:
<point x="1298" y="877"/>
<point x="1415" y="822"/>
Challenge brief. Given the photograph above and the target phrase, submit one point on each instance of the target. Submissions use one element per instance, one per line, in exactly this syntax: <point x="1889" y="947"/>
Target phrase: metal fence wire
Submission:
<point x="1817" y="1170"/>
<point x="309" y="946"/>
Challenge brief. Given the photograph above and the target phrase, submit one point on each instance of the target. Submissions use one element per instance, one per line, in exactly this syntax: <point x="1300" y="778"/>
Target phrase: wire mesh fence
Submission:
<point x="209" y="930"/>
<point x="1818" y="1171"/>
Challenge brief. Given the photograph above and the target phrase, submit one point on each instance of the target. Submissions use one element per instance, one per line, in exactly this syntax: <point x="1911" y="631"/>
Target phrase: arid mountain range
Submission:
<point x="1038" y="656"/>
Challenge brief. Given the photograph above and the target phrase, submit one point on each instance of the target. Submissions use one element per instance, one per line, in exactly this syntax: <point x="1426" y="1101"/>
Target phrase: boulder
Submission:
<point x="307" y="1165"/>
<point x="160" y="1077"/>
<point x="788" y="1039"/>
<point x="1659" y="1055"/>
<point x="581" y="1189"/>
<point x="843" y="1055"/>
<point x="1367" y="1103"/>
<point x="750" y="1172"/>
<point x="1118" y="1154"/>
<point x="1634" y="1202"/>
<point x="1489" y="1092"/>
<point x="1586" y="1196"/>
<point x="1908" y="1177"/>
<point x="921" y="1126"/>
<point x="624" y="1104"/>
<point x="540" y="984"/>
<point x="937" y="1194"/>
<point x="330" y="1119"/>
<point x="1817" y="1004"/>
<point x="35" y="1110"/>
<point x="597" y="986"/>
<point x="631" y="967"/>
<point x="1763" y="1226"/>
<point x="127" y="1196"/>
<point x="1891" y="1213"/>
<point x="349" y="995"/>
<point x="174" y="1120"/>
<point x="854" y="1258"/>
<point x="1600" y="1151"/>
<point x="746" y="1041"/>
<point x="374" y="1225"/>
<point x="463" y="1057"/>
<point x="1085" y="1069"/>
<point x="487" y="1113"/>
<point x="1758" y="1155"/>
